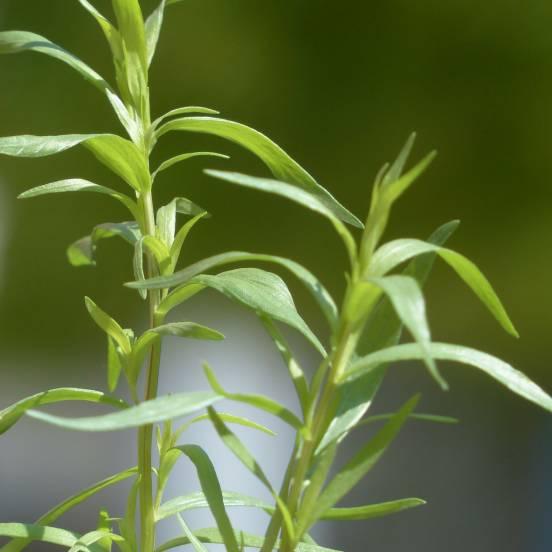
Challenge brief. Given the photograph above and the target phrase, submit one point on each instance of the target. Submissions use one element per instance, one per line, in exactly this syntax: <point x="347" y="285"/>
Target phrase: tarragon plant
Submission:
<point x="380" y="299"/>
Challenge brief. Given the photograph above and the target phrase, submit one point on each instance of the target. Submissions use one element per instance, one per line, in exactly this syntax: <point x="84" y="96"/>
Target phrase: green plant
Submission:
<point x="365" y="330"/>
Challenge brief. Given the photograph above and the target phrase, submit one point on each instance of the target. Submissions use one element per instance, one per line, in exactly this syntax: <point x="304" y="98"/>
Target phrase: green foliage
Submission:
<point x="365" y="331"/>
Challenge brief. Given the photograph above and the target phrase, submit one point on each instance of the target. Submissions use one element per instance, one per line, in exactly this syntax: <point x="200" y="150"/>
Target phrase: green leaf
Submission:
<point x="407" y="299"/>
<point x="41" y="533"/>
<point x="131" y="26"/>
<point x="262" y="291"/>
<point x="372" y="510"/>
<point x="383" y="329"/>
<point x="178" y="296"/>
<point x="258" y="401"/>
<point x="361" y="463"/>
<point x="501" y="371"/>
<point x="421" y="417"/>
<point x="313" y="285"/>
<point x="180" y="239"/>
<point x="119" y="155"/>
<point x="303" y="197"/>
<point x="14" y="42"/>
<point x="10" y="415"/>
<point x="114" y="363"/>
<point x="282" y="166"/>
<point x="198" y="547"/>
<point x="246" y="458"/>
<point x="396" y="252"/>
<point x="396" y="169"/>
<point x="80" y="185"/>
<point x="108" y="325"/>
<point x="183" y="111"/>
<point x="228" y="418"/>
<point x="184" y="157"/>
<point x="213" y="493"/>
<point x="153" y="30"/>
<point x="145" y="413"/>
<point x="213" y="536"/>
<point x="127" y="525"/>
<point x="83" y="251"/>
<point x="295" y="371"/>
<point x="198" y="500"/>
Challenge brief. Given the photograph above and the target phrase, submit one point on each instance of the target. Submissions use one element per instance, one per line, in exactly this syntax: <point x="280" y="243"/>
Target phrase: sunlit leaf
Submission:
<point x="10" y="415"/>
<point x="41" y="533"/>
<point x="501" y="371"/>
<point x="263" y="292"/>
<point x="153" y="25"/>
<point x="146" y="413"/>
<point x="108" y="325"/>
<point x="278" y="161"/>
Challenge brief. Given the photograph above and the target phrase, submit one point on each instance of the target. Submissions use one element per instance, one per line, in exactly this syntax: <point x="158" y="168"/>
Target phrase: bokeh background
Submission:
<point x="339" y="86"/>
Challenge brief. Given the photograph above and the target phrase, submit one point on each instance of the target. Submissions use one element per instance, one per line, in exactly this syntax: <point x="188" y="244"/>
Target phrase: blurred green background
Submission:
<point x="339" y="86"/>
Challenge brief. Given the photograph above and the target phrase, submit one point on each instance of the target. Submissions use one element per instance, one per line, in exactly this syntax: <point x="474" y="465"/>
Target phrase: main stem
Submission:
<point x="145" y="433"/>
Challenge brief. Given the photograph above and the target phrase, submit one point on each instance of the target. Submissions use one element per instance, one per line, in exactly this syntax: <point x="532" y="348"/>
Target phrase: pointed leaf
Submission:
<point x="278" y="161"/>
<point x="184" y="111"/>
<point x="501" y="371"/>
<point x="108" y="325"/>
<point x="153" y="29"/>
<point x="145" y="413"/>
<point x="198" y="547"/>
<point x="262" y="291"/>
<point x="41" y="533"/>
<point x="10" y="415"/>
<point x="213" y="493"/>
<point x="396" y="252"/>
<point x="184" y="157"/>
<point x="373" y="510"/>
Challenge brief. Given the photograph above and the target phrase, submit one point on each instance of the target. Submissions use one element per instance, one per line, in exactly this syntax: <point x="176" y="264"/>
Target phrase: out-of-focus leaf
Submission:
<point x="372" y="510"/>
<point x="228" y="418"/>
<point x="145" y="413"/>
<point x="396" y="252"/>
<point x="213" y="493"/>
<point x="313" y="285"/>
<point x="361" y="463"/>
<point x="87" y="540"/>
<point x="13" y="42"/>
<point x="514" y="380"/>
<point x="114" y="363"/>
<point x="127" y="524"/>
<point x="119" y="155"/>
<point x="83" y="251"/>
<point x="407" y="300"/>
<point x="104" y="524"/>
<point x="198" y="547"/>
<point x="278" y="161"/>
<point x="80" y="185"/>
<point x="184" y="157"/>
<point x="396" y="169"/>
<point x="198" y="500"/>
<point x="263" y="292"/>
<point x="10" y="415"/>
<point x="41" y="533"/>
<point x="108" y="325"/>
<point x="415" y="416"/>
<point x="211" y="535"/>
<point x="258" y="401"/>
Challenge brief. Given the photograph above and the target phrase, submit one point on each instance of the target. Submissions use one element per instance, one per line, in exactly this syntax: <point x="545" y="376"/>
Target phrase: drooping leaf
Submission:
<point x="10" y="415"/>
<point x="145" y="413"/>
<point x="396" y="252"/>
<point x="80" y="185"/>
<point x="83" y="251"/>
<point x="211" y="488"/>
<point x="13" y="42"/>
<point x="298" y="195"/>
<point x="361" y="463"/>
<point x="313" y="285"/>
<point x="184" y="157"/>
<point x="514" y="380"/>
<point x="407" y="300"/>
<point x="263" y="292"/>
<point x="119" y="155"/>
<point x="108" y="325"/>
<point x="278" y="161"/>
<point x="383" y="329"/>
<point x="188" y="110"/>
<point x="258" y="401"/>
<point x="211" y="535"/>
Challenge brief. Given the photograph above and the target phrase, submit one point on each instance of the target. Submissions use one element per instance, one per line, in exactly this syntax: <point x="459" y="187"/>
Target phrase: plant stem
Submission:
<point x="145" y="434"/>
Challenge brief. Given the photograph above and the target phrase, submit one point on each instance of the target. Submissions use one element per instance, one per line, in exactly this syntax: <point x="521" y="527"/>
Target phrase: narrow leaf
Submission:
<point x="146" y="413"/>
<point x="184" y="157"/>
<point x="372" y="510"/>
<point x="282" y="166"/>
<point x="501" y="371"/>
<point x="198" y="547"/>
<point x="108" y="325"/>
